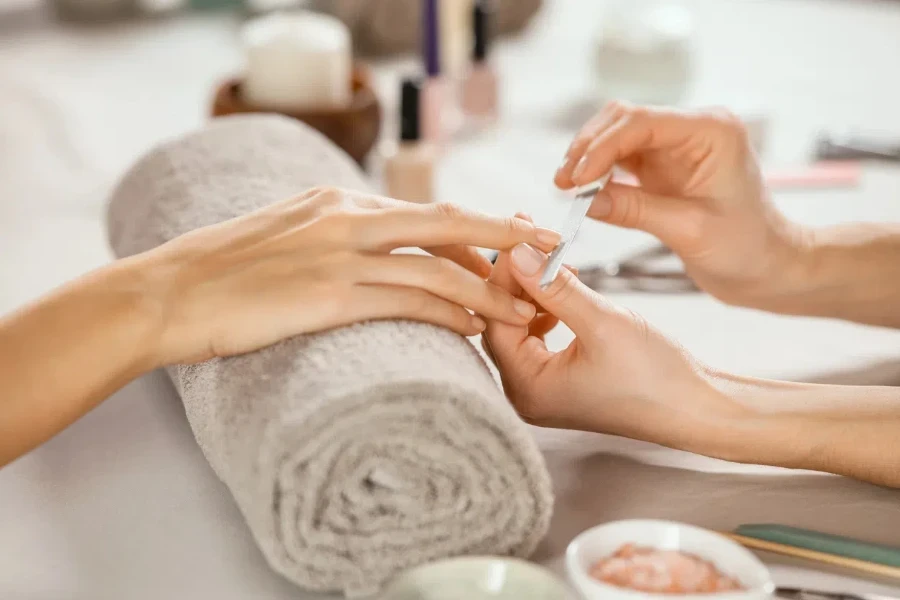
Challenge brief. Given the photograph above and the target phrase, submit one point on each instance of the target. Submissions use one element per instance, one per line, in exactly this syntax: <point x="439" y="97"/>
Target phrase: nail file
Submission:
<point x="823" y="543"/>
<point x="584" y="196"/>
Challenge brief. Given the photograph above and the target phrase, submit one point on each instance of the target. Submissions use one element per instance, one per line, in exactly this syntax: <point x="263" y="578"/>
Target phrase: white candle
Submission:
<point x="297" y="61"/>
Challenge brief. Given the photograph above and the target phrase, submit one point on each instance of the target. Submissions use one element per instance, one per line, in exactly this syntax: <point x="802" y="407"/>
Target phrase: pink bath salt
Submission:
<point x="662" y="572"/>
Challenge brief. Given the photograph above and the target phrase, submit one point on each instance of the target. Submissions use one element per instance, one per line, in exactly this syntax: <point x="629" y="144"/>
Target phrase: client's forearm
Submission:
<point x="849" y="272"/>
<point x="847" y="430"/>
<point x="62" y="355"/>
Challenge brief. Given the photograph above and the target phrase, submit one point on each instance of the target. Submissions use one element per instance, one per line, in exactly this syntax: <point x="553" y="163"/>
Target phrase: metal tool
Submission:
<point x="634" y="274"/>
<point x="856" y="148"/>
<point x="584" y="196"/>
<point x="805" y="594"/>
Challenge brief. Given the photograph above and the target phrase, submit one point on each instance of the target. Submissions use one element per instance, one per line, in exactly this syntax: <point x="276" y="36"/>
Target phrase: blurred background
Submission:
<point x="493" y="94"/>
<point x="86" y="86"/>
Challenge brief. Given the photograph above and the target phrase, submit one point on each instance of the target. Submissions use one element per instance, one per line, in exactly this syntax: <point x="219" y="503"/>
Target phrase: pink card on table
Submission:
<point x="819" y="175"/>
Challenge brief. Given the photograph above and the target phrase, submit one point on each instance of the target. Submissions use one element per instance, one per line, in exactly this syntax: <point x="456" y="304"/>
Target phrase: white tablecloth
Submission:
<point x="122" y="504"/>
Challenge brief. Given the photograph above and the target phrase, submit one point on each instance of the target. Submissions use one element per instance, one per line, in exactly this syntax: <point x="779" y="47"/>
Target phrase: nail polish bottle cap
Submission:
<point x="481" y="33"/>
<point x="410" y="92"/>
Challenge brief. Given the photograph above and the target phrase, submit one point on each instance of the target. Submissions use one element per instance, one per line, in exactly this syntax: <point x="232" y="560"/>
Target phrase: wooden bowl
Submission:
<point x="354" y="128"/>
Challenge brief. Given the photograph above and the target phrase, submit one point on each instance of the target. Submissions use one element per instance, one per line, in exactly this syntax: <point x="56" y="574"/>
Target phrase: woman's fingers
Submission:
<point x="374" y="302"/>
<point x="566" y="297"/>
<point x="510" y="346"/>
<point x="502" y="277"/>
<point x="542" y="325"/>
<point x="466" y="257"/>
<point x="445" y="279"/>
<point x="527" y="297"/>
<point x="582" y="140"/>
<point x="444" y="224"/>
<point x="624" y="132"/>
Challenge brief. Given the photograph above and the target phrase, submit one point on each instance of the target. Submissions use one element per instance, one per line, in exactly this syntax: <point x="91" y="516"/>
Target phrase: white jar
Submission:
<point x="643" y="52"/>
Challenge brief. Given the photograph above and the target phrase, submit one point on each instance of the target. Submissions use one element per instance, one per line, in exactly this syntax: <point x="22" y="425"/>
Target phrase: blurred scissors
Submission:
<point x="635" y="274"/>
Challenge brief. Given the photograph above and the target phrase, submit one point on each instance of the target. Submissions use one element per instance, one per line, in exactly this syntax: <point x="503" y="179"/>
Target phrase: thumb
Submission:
<point x="566" y="298"/>
<point x="669" y="219"/>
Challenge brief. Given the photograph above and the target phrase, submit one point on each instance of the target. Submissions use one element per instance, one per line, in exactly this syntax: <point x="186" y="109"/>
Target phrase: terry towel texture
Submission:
<point x="353" y="453"/>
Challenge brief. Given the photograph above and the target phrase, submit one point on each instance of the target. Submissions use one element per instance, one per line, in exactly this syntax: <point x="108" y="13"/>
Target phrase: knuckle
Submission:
<point x="323" y="198"/>
<point x="728" y="122"/>
<point x="516" y="226"/>
<point x="325" y="193"/>
<point x="618" y="108"/>
<point x="636" y="113"/>
<point x="725" y="116"/>
<point x="631" y="209"/>
<point x="449" y="211"/>
<point x="637" y="322"/>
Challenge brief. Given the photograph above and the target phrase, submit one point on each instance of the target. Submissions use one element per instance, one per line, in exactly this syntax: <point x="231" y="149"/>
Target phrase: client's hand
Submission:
<point x="618" y="376"/>
<point x="700" y="192"/>
<point x="323" y="260"/>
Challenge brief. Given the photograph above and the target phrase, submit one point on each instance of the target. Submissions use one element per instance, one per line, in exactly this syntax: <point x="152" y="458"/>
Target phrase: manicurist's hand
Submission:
<point x="621" y="376"/>
<point x="317" y="261"/>
<point x="701" y="193"/>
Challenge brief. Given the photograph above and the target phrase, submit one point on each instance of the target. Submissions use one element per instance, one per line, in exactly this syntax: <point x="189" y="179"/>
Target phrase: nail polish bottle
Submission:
<point x="434" y="90"/>
<point x="480" y="90"/>
<point x="409" y="173"/>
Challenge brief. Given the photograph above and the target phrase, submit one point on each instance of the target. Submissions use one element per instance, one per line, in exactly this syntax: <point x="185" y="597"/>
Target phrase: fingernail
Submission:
<point x="525" y="309"/>
<point x="526" y="260"/>
<point x="601" y="206"/>
<point x="479" y="324"/>
<point x="564" y="164"/>
<point x="547" y="236"/>
<point x="579" y="168"/>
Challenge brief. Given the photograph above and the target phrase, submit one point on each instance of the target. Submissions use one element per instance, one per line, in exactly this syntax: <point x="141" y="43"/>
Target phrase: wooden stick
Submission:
<point x="833" y="559"/>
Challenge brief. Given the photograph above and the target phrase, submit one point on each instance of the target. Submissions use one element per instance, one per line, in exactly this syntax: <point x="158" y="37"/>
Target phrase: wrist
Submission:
<point x="845" y="430"/>
<point x="717" y="427"/>
<point x="788" y="276"/>
<point x="846" y="272"/>
<point x="759" y="432"/>
<point x="139" y="283"/>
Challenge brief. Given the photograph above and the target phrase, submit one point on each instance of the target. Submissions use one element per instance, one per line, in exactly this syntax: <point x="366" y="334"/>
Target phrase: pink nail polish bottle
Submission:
<point x="480" y="90"/>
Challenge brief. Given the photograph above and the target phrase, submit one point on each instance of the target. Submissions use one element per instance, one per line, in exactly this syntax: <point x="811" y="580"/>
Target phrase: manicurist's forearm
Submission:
<point x="846" y="430"/>
<point x="849" y="272"/>
<point x="62" y="355"/>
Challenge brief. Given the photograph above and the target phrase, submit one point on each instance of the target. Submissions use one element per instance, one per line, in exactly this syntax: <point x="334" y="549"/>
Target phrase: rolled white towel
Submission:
<point x="353" y="453"/>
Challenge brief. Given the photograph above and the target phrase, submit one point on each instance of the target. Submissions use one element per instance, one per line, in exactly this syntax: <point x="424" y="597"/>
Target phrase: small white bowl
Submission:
<point x="729" y="557"/>
<point x="477" y="578"/>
